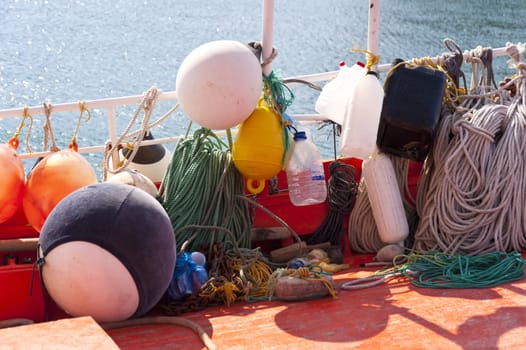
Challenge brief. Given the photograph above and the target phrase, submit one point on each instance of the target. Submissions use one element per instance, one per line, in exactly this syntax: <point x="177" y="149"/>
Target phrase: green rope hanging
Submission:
<point x="278" y="96"/>
<point x="200" y="187"/>
<point x="439" y="270"/>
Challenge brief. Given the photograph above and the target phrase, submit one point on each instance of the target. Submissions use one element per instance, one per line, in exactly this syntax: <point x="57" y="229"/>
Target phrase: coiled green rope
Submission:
<point x="200" y="187"/>
<point x="439" y="270"/>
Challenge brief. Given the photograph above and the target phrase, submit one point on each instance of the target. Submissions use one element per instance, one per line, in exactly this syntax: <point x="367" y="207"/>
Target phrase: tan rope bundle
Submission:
<point x="472" y="198"/>
<point x="472" y="179"/>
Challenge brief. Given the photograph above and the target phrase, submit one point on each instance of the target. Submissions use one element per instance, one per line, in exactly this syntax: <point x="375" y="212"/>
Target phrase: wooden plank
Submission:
<point x="18" y="245"/>
<point x="68" y="333"/>
<point x="269" y="233"/>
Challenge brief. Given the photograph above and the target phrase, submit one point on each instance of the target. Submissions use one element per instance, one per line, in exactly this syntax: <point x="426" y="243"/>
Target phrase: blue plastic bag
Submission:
<point x="188" y="277"/>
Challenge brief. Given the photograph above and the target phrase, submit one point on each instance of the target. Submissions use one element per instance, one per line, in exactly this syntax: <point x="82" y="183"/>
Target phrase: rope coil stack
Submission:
<point x="474" y="192"/>
<point x="201" y="187"/>
<point x="471" y="193"/>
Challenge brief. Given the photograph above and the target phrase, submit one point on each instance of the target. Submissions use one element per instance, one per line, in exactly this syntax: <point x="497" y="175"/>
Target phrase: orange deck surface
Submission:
<point x="393" y="315"/>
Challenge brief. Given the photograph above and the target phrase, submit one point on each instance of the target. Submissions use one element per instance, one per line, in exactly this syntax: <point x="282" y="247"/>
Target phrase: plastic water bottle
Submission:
<point x="305" y="173"/>
<point x="362" y="117"/>
<point x="335" y="94"/>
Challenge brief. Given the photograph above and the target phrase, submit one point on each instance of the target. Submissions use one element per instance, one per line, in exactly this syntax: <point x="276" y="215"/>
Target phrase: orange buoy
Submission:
<point x="52" y="179"/>
<point x="258" y="149"/>
<point x="12" y="182"/>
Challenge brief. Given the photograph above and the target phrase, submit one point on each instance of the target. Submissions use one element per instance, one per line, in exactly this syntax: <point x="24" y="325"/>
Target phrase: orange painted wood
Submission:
<point x="69" y="333"/>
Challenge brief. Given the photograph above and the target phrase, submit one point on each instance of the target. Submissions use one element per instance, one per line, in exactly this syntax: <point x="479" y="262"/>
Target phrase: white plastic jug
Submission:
<point x="362" y="117"/>
<point x="335" y="94"/>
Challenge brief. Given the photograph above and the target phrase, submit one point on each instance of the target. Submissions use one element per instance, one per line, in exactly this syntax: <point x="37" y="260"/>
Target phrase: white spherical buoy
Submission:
<point x="72" y="266"/>
<point x="134" y="178"/>
<point x="219" y="84"/>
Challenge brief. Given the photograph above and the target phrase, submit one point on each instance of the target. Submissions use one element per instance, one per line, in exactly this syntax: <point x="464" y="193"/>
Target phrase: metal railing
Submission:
<point x="109" y="105"/>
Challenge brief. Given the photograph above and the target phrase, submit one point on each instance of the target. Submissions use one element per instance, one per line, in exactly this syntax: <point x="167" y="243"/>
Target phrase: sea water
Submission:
<point x="66" y="51"/>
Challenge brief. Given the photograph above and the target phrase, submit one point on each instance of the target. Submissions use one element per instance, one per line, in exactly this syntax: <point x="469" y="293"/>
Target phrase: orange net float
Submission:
<point x="12" y="182"/>
<point x="53" y="178"/>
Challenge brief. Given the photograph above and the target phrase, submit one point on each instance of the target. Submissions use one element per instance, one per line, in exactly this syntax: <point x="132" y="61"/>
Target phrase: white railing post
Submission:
<point x="373" y="28"/>
<point x="267" y="35"/>
<point x="112" y="134"/>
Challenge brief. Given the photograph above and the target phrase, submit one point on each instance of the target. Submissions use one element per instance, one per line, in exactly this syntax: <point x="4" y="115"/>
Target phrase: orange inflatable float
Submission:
<point x="12" y="182"/>
<point x="53" y="178"/>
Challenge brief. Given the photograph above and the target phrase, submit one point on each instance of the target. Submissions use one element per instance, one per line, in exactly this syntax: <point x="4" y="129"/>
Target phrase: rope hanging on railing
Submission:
<point x="82" y="107"/>
<point x="13" y="141"/>
<point x="278" y="97"/>
<point x="146" y="106"/>
<point x="48" y="131"/>
<point x="472" y="194"/>
<point x="465" y="205"/>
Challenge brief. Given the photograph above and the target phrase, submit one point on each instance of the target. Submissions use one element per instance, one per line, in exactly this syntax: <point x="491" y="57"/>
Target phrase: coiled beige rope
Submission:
<point x="472" y="198"/>
<point x="471" y="191"/>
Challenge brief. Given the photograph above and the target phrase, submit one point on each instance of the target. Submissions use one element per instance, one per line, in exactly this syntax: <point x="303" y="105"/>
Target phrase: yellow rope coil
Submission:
<point x="371" y="58"/>
<point x="220" y="289"/>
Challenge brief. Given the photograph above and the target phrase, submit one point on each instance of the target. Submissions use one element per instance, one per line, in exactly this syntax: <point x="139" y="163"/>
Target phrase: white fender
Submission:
<point x="385" y="198"/>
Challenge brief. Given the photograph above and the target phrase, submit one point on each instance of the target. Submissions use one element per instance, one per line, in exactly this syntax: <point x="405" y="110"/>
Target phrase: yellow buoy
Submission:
<point x="258" y="149"/>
